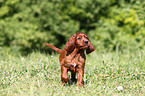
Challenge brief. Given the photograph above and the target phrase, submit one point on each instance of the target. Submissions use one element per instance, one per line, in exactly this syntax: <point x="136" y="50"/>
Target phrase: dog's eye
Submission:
<point x="86" y="37"/>
<point x="79" y="38"/>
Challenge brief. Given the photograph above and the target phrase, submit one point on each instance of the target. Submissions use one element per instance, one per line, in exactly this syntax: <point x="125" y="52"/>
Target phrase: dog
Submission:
<point x="72" y="57"/>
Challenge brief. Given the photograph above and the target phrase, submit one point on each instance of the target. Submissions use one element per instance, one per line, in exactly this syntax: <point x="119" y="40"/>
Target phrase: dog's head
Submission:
<point x="81" y="41"/>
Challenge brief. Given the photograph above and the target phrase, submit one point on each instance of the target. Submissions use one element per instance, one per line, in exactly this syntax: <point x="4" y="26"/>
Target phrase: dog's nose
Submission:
<point x="86" y="42"/>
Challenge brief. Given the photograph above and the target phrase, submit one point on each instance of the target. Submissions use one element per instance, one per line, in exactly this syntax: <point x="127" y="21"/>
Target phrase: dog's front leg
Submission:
<point x="80" y="74"/>
<point x="64" y="76"/>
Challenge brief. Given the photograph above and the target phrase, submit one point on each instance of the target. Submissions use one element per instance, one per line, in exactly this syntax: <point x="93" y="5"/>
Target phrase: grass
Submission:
<point x="39" y="74"/>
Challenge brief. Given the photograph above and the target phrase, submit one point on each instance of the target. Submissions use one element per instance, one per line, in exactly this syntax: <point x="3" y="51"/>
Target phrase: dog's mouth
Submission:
<point x="84" y="47"/>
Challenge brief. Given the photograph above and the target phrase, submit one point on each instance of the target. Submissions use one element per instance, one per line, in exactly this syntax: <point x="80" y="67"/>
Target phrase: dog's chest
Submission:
<point x="78" y="59"/>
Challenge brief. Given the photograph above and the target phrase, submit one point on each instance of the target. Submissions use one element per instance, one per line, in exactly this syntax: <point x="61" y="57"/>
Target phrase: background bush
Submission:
<point x="111" y="24"/>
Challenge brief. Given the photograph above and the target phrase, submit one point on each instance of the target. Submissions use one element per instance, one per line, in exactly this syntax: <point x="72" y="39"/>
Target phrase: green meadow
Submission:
<point x="38" y="74"/>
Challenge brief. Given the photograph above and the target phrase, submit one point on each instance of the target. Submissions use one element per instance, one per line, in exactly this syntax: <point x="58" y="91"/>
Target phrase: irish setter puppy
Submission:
<point x="72" y="57"/>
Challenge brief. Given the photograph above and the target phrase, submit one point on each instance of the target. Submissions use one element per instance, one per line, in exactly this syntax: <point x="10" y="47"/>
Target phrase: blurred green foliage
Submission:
<point x="110" y="24"/>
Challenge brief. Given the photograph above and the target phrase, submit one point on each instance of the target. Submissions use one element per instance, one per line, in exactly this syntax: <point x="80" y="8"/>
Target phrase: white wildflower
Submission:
<point x="119" y="88"/>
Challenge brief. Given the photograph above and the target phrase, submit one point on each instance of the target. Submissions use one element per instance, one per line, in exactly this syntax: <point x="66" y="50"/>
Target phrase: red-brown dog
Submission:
<point x="72" y="57"/>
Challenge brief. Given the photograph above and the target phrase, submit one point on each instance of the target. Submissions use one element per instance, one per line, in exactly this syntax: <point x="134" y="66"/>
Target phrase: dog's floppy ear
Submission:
<point x="90" y="48"/>
<point x="70" y="44"/>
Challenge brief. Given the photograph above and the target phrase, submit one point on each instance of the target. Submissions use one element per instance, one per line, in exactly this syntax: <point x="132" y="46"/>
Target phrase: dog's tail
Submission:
<point x="53" y="47"/>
